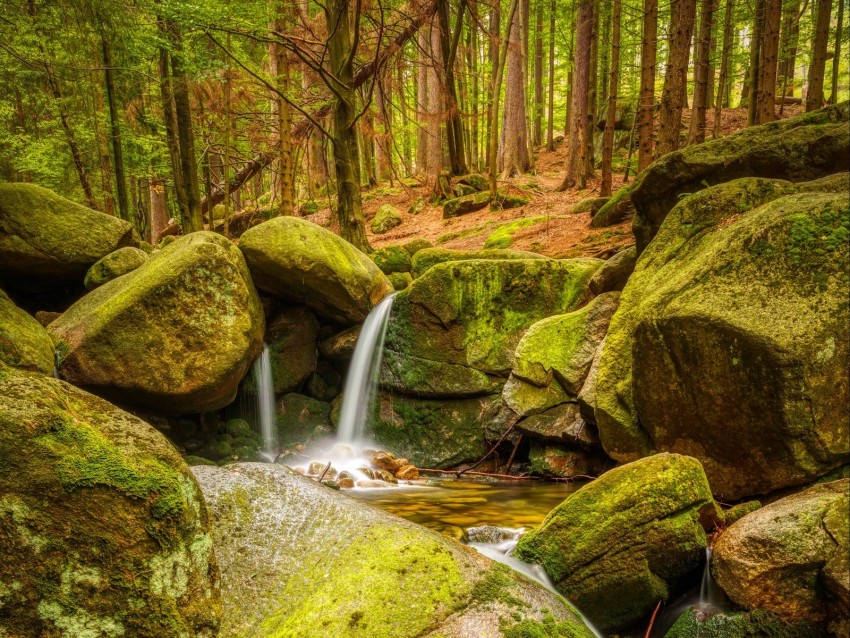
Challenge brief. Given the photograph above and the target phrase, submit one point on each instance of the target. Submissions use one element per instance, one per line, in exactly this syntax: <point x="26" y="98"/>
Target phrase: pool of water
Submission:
<point x="451" y="505"/>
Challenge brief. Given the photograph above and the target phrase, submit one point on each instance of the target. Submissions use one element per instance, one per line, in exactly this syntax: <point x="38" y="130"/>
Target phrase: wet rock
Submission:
<point x="346" y="483"/>
<point x="291" y="337"/>
<point x="299" y="261"/>
<point x="400" y="280"/>
<point x="113" y="265"/>
<point x="426" y="258"/>
<point x="385" y="461"/>
<point x="695" y="623"/>
<point x="561" y="424"/>
<point x="97" y="509"/>
<point x="325" y="383"/>
<point x="559" y="461"/>
<point x="617" y="545"/>
<point x="387" y="218"/>
<point x="614" y="273"/>
<point x="489" y="534"/>
<point x="299" y="417"/>
<point x="407" y="473"/>
<point x="340" y="347"/>
<point x="24" y="343"/>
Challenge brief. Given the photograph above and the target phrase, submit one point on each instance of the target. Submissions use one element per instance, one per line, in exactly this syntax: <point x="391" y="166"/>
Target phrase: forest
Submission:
<point x="159" y="111"/>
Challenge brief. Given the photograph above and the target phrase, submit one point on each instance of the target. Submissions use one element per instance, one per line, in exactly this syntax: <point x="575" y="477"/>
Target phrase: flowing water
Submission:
<point x="266" y="403"/>
<point x="363" y="371"/>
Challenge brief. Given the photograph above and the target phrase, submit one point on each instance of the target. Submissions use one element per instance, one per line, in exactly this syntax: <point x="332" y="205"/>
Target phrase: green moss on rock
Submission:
<point x="387" y="218"/>
<point x="24" y="344"/>
<point x="400" y="280"/>
<point x="738" y="624"/>
<point x="424" y="259"/>
<point x="113" y="265"/>
<point x="503" y="236"/>
<point x="392" y="259"/>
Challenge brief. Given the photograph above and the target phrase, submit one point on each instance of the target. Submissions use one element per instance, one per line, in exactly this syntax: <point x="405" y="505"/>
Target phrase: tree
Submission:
<point x="513" y="142"/>
<point x="611" y="115"/>
<point x="646" y="113"/>
<point x="815" y="98"/>
<point x="676" y="76"/>
<point x="696" y="131"/>
<point x="495" y="94"/>
<point x="576" y="175"/>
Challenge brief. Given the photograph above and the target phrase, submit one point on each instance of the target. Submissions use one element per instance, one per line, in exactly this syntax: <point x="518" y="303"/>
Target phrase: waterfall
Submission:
<point x="710" y="595"/>
<point x="363" y="372"/>
<point x="265" y="403"/>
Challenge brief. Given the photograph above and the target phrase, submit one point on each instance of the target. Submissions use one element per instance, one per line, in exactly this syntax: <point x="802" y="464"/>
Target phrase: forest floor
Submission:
<point x="548" y="225"/>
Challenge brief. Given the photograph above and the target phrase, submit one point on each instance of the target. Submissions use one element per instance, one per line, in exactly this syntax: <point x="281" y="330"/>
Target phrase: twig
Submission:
<point x="652" y="620"/>
<point x="575" y="477"/>
<point x="505" y="476"/>
<point x="325" y="471"/>
<point x="492" y="449"/>
<point x="513" y="454"/>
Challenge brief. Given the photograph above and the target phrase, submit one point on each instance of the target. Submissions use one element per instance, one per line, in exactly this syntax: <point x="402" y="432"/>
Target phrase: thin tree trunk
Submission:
<point x="115" y="128"/>
<point x="513" y="141"/>
<point x="724" y="66"/>
<point x="496" y="90"/>
<point x="581" y="85"/>
<point x="754" y="71"/>
<point x="592" y="90"/>
<point x="696" y="131"/>
<point x="814" y="97"/>
<point x="649" y="51"/>
<point x="494" y="49"/>
<point x="675" y="78"/>
<point x="789" y="35"/>
<point x="159" y="210"/>
<point x="836" y="58"/>
<point x="98" y="119"/>
<point x="436" y="104"/>
<point x="550" y="114"/>
<point x="424" y="47"/>
<point x="537" y="129"/>
<point x="383" y="136"/>
<point x="611" y="116"/>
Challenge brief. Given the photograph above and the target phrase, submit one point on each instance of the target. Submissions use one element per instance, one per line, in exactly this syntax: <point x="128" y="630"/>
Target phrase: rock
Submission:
<point x="695" y="623"/>
<point x="417" y="206"/>
<point x="400" y="280"/>
<point x="414" y="246"/>
<point x="325" y="383"/>
<point x="113" y="265"/>
<point x="615" y="272"/>
<point x="407" y="473"/>
<point x="528" y="399"/>
<point x="473" y="313"/>
<point x="426" y="258"/>
<point x="561" y="424"/>
<point x="797" y="149"/>
<point x="559" y="461"/>
<point x="507" y="201"/>
<point x="738" y="308"/>
<point x="615" y="211"/>
<point x="616" y="546"/>
<point x="298" y="417"/>
<point x="737" y="512"/>
<point x="431" y="433"/>
<point x="323" y="565"/>
<point x="24" y="343"/>
<point x="340" y="346"/>
<point x="291" y="337"/>
<point x="387" y="218"/>
<point x="300" y="261"/>
<point x="175" y="335"/>
<point x="97" y="509"/>
<point x="145" y="246"/>
<point x="587" y="394"/>
<point x="489" y="534"/>
<point x="477" y="182"/>
<point x="392" y="259"/>
<point x="46" y="240"/>
<point x="791" y="557"/>
<point x="431" y="379"/>
<point x="590" y="205"/>
<point x="465" y="205"/>
<point x="45" y="317"/>
<point x="384" y="461"/>
<point x="503" y="236"/>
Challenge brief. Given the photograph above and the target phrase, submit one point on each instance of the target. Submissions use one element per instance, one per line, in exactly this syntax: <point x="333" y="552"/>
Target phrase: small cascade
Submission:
<point x="363" y="372"/>
<point x="710" y="595"/>
<point x="266" y="403"/>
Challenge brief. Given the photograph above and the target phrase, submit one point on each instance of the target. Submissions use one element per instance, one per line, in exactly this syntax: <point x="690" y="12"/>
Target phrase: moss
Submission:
<point x="755" y="624"/>
<point x="496" y="586"/>
<point x="392" y="259"/>
<point x="548" y="627"/>
<point x="503" y="236"/>
<point x="417" y="206"/>
<point x="114" y="265"/>
<point x="387" y="218"/>
<point x="400" y="280"/>
<point x="427" y="258"/>
<point x="466" y="204"/>
<point x="24" y="344"/>
<point x="473" y="231"/>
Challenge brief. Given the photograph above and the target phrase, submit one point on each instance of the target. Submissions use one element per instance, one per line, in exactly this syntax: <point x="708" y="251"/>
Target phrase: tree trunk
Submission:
<point x="159" y="210"/>
<point x="724" y="66"/>
<point x="98" y="120"/>
<point x="422" y="100"/>
<point x="448" y="49"/>
<point x="814" y="97"/>
<point x="836" y="58"/>
<point x="766" y="94"/>
<point x="495" y="48"/>
<point x="648" y="53"/>
<point x="513" y="141"/>
<point x="581" y="85"/>
<point x="115" y="127"/>
<point x="537" y="129"/>
<point x="496" y="91"/>
<point x="550" y="115"/>
<point x="592" y="90"/>
<point x="383" y="136"/>
<point x="696" y="131"/>
<point x="436" y="103"/>
<point x="676" y="76"/>
<point x="285" y="150"/>
<point x="789" y="35"/>
<point x="754" y="71"/>
<point x="611" y="116"/>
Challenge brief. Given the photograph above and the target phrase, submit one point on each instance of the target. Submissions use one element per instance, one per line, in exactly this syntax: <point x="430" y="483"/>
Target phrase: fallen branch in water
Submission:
<point x="325" y="471"/>
<point x="574" y="477"/>
<point x="492" y="449"/>
<point x="458" y="474"/>
<point x="652" y="620"/>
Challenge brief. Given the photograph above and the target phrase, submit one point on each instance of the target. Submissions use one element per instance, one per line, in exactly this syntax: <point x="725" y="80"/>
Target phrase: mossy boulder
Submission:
<point x="47" y="240"/>
<point x="103" y="530"/>
<point x="620" y="544"/>
<point x="615" y="211"/>
<point x="476" y="182"/>
<point x="558" y="461"/>
<point x="340" y="347"/>
<point x="291" y="337"/>
<point x="175" y="335"/>
<point x="414" y="246"/>
<point x="587" y="394"/>
<point x="562" y="424"/>
<point x="24" y="343"/>
<point x="428" y="257"/>
<point x="322" y="565"/>
<point x="503" y="236"/>
<point x="400" y="280"/>
<point x="796" y="149"/>
<point x="114" y="265"/>
<point x="392" y="259"/>
<point x="791" y="557"/>
<point x="417" y="206"/>
<point x="696" y="623"/>
<point x="465" y="205"/>
<point x="473" y="313"/>
<point x="431" y="379"/>
<point x="299" y="417"/>
<point x="589" y="205"/>
<point x="387" y="218"/>
<point x="738" y="311"/>
<point x="615" y="272"/>
<point x="299" y="261"/>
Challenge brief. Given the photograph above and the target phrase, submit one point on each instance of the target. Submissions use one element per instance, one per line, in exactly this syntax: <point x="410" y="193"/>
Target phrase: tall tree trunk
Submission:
<point x="383" y="136"/>
<point x="422" y="99"/>
<point x="285" y="151"/>
<point x="474" y="102"/>
<point x="649" y="51"/>
<point x="159" y="209"/>
<point x="436" y="104"/>
<point x="581" y="85"/>
<point x="448" y="49"/>
<point x="611" y="115"/>
<point x="676" y="76"/>
<point x="766" y="94"/>
<point x="550" y="113"/>
<point x="814" y="97"/>
<point x="115" y="127"/>
<point x="494" y="27"/>
<point x="98" y="119"/>
<point x="724" y="66"/>
<point x="754" y="71"/>
<point x="789" y="35"/>
<point x="183" y="112"/>
<point x="513" y="141"/>
<point x="592" y="90"/>
<point x="537" y="129"/>
<point x="696" y="131"/>
<point x="495" y="95"/>
<point x="836" y="58"/>
<point x="405" y="118"/>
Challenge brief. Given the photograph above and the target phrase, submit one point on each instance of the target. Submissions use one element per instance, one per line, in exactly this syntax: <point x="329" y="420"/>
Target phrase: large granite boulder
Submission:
<point x="792" y="557"/>
<point x="103" y="530"/>
<point x="796" y="149"/>
<point x="113" y="265"/>
<point x="24" y="343"/>
<point x="174" y="336"/>
<point x="299" y="261"/>
<point x="730" y="343"/>
<point x="427" y="257"/>
<point x="321" y="564"/>
<point x="47" y="240"/>
<point x="620" y="544"/>
<point x="292" y="339"/>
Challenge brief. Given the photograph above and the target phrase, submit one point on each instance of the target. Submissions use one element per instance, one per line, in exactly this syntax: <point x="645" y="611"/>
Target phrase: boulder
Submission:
<point x="425" y="258"/>
<point x="24" y="343"/>
<point x="299" y="417"/>
<point x="400" y="280"/>
<point x="113" y="265"/>
<point x="415" y="245"/>
<point x="103" y="530"/>
<point x="47" y="240"/>
<point x="340" y="347"/>
<point x="791" y="557"/>
<point x="561" y="424"/>
<point x="587" y="394"/>
<point x="322" y="564"/>
<point x="620" y="543"/>
<point x="392" y="259"/>
<point x="796" y="149"/>
<point x="739" y="312"/>
<point x="299" y="261"/>
<point x="431" y="379"/>
<point x="558" y="461"/>
<point x="387" y="218"/>
<point x="615" y="272"/>
<point x="697" y="623"/>
<point x="477" y="182"/>
<point x="175" y="335"/>
<point x="291" y="337"/>
<point x="465" y="205"/>
<point x="590" y="205"/>
<point x="615" y="211"/>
